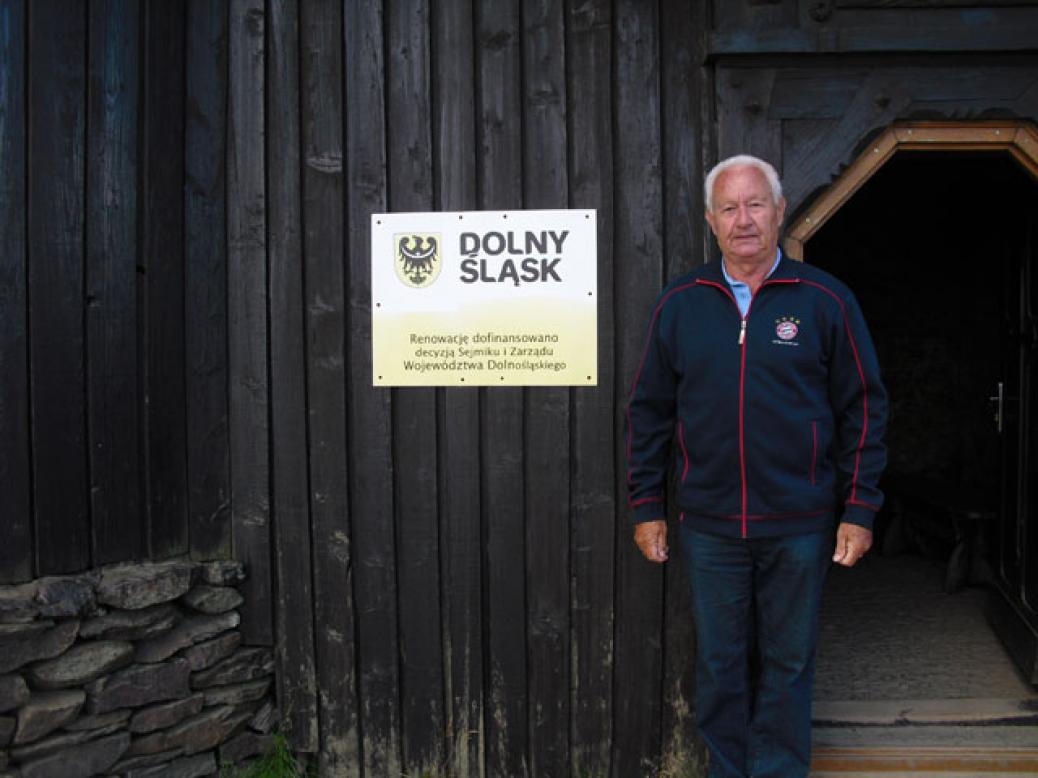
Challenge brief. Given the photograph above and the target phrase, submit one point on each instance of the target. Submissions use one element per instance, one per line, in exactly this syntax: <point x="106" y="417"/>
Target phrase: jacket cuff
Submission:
<point x="862" y="515"/>
<point x="650" y="510"/>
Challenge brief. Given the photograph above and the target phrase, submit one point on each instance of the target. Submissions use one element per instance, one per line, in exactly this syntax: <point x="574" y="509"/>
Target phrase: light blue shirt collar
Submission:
<point x="741" y="291"/>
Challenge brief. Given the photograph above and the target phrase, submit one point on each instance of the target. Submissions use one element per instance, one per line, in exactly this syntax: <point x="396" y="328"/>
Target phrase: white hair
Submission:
<point x="741" y="160"/>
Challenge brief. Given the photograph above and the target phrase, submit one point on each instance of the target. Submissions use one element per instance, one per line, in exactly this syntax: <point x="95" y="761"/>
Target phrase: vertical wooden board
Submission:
<point x="499" y="163"/>
<point x="414" y="409"/>
<point x="290" y="508"/>
<point x="113" y="401"/>
<point x="249" y="430"/>
<point x="205" y="281"/>
<point x="370" y="410"/>
<point x="799" y="141"/>
<point x="639" y="240"/>
<point x="882" y="98"/>
<point x="593" y="488"/>
<point x="454" y="160"/>
<point x="57" y="149"/>
<point x="16" y="511"/>
<point x="162" y="181"/>
<point x="321" y="101"/>
<point x="547" y="412"/>
<point x="682" y="45"/>
<point x="743" y="126"/>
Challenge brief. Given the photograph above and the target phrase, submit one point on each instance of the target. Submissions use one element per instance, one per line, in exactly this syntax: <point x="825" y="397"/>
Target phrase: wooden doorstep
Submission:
<point x="922" y="761"/>
<point x="899" y="712"/>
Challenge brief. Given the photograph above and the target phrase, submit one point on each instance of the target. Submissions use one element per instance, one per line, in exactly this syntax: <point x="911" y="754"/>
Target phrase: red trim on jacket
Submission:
<point x="684" y="451"/>
<point x="634" y="386"/>
<point x="864" y="390"/>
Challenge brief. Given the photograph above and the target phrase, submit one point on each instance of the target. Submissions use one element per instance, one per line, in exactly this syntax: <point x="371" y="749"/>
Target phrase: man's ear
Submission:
<point x="710" y="221"/>
<point x="781" y="209"/>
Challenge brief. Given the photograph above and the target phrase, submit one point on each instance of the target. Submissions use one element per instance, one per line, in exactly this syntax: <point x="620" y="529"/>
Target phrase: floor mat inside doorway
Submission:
<point x="889" y="632"/>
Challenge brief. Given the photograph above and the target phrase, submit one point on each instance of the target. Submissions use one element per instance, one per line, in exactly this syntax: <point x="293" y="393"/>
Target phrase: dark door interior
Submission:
<point x="939" y="248"/>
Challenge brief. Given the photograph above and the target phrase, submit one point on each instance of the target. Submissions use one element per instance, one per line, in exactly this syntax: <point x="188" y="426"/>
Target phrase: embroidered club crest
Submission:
<point x="417" y="259"/>
<point x="786" y="329"/>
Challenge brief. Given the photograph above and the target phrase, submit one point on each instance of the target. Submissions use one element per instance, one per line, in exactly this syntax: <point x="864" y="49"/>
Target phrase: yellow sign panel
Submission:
<point x="484" y="298"/>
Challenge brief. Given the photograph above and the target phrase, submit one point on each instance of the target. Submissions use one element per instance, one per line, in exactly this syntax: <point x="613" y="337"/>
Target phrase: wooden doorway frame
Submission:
<point x="1018" y="137"/>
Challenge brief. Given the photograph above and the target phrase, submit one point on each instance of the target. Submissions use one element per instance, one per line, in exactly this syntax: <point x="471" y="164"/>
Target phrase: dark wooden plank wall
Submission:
<point x="247" y="324"/>
<point x="639" y="240"/>
<point x="289" y="454"/>
<point x="114" y="344"/>
<point x="499" y="174"/>
<point x="447" y="574"/>
<point x="205" y="260"/>
<point x="111" y="280"/>
<point x="324" y="235"/>
<point x="461" y="536"/>
<point x="16" y="550"/>
<point x="57" y="40"/>
<point x="589" y="47"/>
<point x="414" y="450"/>
<point x="161" y="291"/>
<point x="369" y="421"/>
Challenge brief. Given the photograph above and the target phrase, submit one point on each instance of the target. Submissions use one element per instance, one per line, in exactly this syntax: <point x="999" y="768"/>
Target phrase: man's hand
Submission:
<point x="651" y="537"/>
<point x="852" y="541"/>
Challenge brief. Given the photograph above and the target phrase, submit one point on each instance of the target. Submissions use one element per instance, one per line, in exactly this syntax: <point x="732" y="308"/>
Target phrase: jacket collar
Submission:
<point x="787" y="270"/>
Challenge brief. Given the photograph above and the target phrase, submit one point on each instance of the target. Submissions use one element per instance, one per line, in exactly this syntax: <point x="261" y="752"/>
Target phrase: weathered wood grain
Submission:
<point x="247" y="325"/>
<point x="321" y="105"/>
<point x="16" y="551"/>
<point x="57" y="41"/>
<point x="743" y="125"/>
<point x="547" y="444"/>
<point x="499" y="74"/>
<point x="461" y="546"/>
<point x="638" y="279"/>
<point x="370" y="410"/>
<point x="880" y="100"/>
<point x="205" y="280"/>
<point x="113" y="400"/>
<point x="162" y="241"/>
<point x="415" y="458"/>
<point x="594" y="482"/>
<point x="289" y="461"/>
<point x="874" y="30"/>
<point x="682" y="47"/>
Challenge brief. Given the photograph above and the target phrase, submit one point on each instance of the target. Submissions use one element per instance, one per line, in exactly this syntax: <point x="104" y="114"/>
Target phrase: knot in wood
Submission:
<point x="821" y="10"/>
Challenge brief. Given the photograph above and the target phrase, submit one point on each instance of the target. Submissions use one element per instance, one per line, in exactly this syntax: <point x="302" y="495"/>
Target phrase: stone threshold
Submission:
<point x="961" y="712"/>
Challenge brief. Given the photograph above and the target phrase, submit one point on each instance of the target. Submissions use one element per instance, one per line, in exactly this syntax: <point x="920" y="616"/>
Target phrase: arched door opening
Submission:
<point x="938" y="246"/>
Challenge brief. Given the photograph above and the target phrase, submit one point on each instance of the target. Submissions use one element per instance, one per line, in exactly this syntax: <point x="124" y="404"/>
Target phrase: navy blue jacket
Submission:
<point x="778" y="417"/>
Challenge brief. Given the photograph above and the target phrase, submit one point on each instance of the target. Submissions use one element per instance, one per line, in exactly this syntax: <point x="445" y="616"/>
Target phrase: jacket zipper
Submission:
<point x="743" y="321"/>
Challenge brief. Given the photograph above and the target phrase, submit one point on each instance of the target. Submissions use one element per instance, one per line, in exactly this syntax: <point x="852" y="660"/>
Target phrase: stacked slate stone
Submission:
<point x="132" y="670"/>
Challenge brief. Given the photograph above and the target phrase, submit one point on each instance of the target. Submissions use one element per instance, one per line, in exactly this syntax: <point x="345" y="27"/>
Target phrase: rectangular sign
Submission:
<point x="484" y="298"/>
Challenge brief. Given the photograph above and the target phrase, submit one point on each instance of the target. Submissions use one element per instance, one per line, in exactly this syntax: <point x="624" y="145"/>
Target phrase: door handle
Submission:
<point x="999" y="400"/>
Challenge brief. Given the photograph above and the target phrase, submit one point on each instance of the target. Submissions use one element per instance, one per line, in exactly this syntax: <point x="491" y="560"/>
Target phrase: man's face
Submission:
<point x="745" y="219"/>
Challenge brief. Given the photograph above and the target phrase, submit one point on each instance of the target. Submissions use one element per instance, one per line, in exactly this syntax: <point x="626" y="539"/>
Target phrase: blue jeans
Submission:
<point x="758" y="594"/>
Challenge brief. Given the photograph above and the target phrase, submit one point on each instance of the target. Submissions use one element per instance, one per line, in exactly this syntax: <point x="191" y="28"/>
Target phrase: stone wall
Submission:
<point x="131" y="670"/>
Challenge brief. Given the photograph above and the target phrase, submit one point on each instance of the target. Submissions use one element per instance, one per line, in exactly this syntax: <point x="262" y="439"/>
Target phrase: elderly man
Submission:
<point x="761" y="370"/>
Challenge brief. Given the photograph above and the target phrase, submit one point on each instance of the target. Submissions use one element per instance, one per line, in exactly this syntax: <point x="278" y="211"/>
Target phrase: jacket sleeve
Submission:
<point x="859" y="402"/>
<point x="650" y="420"/>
